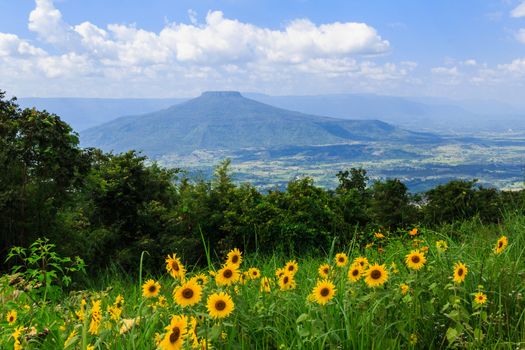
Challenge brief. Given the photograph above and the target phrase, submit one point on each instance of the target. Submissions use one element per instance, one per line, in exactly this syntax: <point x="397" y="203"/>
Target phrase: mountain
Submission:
<point x="225" y="120"/>
<point x="84" y="113"/>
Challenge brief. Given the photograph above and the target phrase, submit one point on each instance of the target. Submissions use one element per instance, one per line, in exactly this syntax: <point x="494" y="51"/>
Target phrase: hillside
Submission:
<point x="229" y="121"/>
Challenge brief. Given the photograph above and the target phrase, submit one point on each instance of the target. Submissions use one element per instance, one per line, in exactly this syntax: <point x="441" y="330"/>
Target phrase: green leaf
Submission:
<point x="452" y="335"/>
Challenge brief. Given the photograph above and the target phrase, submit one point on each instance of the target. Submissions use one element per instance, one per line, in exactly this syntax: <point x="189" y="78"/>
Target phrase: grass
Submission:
<point x="435" y="313"/>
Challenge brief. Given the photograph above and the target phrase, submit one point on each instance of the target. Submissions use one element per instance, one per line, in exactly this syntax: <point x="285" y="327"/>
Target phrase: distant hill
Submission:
<point x="84" y="113"/>
<point x="422" y="114"/>
<point x="229" y="121"/>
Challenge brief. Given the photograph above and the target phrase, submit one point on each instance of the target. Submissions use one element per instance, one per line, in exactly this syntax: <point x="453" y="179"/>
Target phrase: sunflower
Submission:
<point x="393" y="267"/>
<point x="355" y="272"/>
<point x="174" y="338"/>
<point x="376" y="275"/>
<point x="341" y="259"/>
<point x="460" y="272"/>
<point x="162" y="302"/>
<point x="11" y="317"/>
<point x="324" y="270"/>
<point x="501" y="245"/>
<point x="254" y="273"/>
<point x="175" y="267"/>
<point x="361" y="261"/>
<point x="480" y="298"/>
<point x="227" y="275"/>
<point x="287" y="282"/>
<point x="150" y="289"/>
<point x="280" y="272"/>
<point x="201" y="279"/>
<point x="265" y="285"/>
<point x="379" y="235"/>
<point x="96" y="318"/>
<point x="441" y="246"/>
<point x="323" y="292"/>
<point x="220" y="305"/>
<point x="413" y="232"/>
<point x="188" y="294"/>
<point x="404" y="288"/>
<point x="415" y="260"/>
<point x="291" y="267"/>
<point x="234" y="257"/>
<point x="369" y="245"/>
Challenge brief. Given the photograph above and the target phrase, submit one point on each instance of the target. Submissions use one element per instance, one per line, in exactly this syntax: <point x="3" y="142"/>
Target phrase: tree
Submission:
<point x="41" y="165"/>
<point x="390" y="205"/>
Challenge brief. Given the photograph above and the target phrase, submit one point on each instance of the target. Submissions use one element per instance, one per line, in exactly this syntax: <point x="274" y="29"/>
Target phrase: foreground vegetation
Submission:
<point x="418" y="289"/>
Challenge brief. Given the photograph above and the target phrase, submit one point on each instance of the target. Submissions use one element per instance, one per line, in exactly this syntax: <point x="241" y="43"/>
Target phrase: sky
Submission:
<point x="468" y="49"/>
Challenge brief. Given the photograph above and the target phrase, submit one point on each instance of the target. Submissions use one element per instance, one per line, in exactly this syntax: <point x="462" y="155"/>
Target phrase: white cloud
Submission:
<point x="519" y="11"/>
<point x="12" y="45"/>
<point x="452" y="71"/>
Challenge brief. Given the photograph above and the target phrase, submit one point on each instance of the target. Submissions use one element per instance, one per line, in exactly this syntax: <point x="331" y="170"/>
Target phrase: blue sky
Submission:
<point x="99" y="48"/>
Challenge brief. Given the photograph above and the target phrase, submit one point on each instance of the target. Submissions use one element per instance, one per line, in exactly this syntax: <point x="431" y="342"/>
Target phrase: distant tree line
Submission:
<point x="108" y="208"/>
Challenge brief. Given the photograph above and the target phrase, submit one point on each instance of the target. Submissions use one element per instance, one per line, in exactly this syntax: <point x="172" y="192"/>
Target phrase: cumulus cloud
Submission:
<point x="520" y="35"/>
<point x="519" y="11"/>
<point x="219" y="50"/>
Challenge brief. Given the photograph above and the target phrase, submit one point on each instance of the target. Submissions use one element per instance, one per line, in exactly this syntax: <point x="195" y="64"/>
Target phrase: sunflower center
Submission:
<point x="254" y="273"/>
<point x="228" y="273"/>
<point x="285" y="280"/>
<point x="325" y="271"/>
<point x="291" y="268"/>
<point x="235" y="259"/>
<point x="220" y="305"/>
<point x="175" y="335"/>
<point x="175" y="266"/>
<point x="341" y="259"/>
<point x="324" y="292"/>
<point x="152" y="289"/>
<point x="460" y="272"/>
<point x="500" y="244"/>
<point x="375" y="274"/>
<point x="355" y="272"/>
<point x="11" y="319"/>
<point x="187" y="293"/>
<point x="415" y="259"/>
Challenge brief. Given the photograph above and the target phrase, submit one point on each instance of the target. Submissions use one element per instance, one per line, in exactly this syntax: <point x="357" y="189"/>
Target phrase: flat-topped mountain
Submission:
<point x="225" y="120"/>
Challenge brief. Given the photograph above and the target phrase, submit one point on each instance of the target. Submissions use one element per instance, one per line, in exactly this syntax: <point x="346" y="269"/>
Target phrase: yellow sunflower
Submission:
<point x="280" y="272"/>
<point x="376" y="275"/>
<point x="254" y="273"/>
<point x="361" y="261"/>
<point x="176" y="332"/>
<point x="323" y="292"/>
<point x="291" y="267"/>
<point x="415" y="260"/>
<point x="150" y="289"/>
<point x="480" y="298"/>
<point x="287" y="282"/>
<point x="201" y="279"/>
<point x="460" y="272"/>
<point x="404" y="288"/>
<point x="188" y="294"/>
<point x="96" y="318"/>
<point x="11" y="317"/>
<point x="175" y="267"/>
<point x="413" y="232"/>
<point x="265" y="285"/>
<point x="379" y="235"/>
<point x="355" y="272"/>
<point x="234" y="257"/>
<point x="341" y="259"/>
<point x="441" y="246"/>
<point x="220" y="305"/>
<point x="324" y="270"/>
<point x="193" y="332"/>
<point x="501" y="245"/>
<point x="226" y="276"/>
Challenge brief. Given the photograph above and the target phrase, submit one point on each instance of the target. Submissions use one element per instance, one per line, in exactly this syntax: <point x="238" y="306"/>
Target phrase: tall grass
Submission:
<point x="436" y="312"/>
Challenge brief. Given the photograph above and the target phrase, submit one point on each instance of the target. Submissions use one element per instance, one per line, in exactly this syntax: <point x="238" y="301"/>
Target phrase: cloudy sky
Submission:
<point x="178" y="48"/>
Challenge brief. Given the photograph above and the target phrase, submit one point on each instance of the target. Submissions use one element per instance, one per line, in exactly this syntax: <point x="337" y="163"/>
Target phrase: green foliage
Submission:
<point x="41" y="269"/>
<point x="460" y="200"/>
